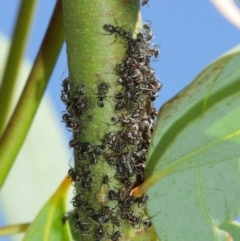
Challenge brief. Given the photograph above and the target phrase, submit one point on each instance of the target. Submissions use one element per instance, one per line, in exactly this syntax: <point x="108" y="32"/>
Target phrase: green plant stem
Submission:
<point x="20" y="122"/>
<point x="93" y="55"/>
<point x="13" y="229"/>
<point x="13" y="63"/>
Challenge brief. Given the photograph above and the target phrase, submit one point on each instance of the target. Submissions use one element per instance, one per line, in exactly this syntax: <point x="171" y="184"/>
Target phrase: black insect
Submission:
<point x="120" y="105"/>
<point x="106" y="210"/>
<point x="87" y="181"/>
<point x="126" y="181"/>
<point x="125" y="164"/>
<point x="139" y="174"/>
<point x="103" y="88"/>
<point x="65" y="99"/>
<point x="87" y="169"/>
<point x="100" y="149"/>
<point x="82" y="226"/>
<point x="119" y="96"/>
<point x="117" y="31"/>
<point x="140" y="38"/>
<point x="102" y="93"/>
<point x="65" y="82"/>
<point x="99" y="218"/>
<point x="122" y="194"/>
<point x="91" y="212"/>
<point x="110" y="158"/>
<point x="127" y="203"/>
<point x="71" y="172"/>
<point x="120" y="170"/>
<point x="82" y="105"/>
<point x="93" y="159"/>
<point x="99" y="233"/>
<point x="81" y="89"/>
<point x="144" y="2"/>
<point x="102" y="216"/>
<point x="65" y="117"/>
<point x="153" y="52"/>
<point x="133" y="219"/>
<point x="141" y="200"/>
<point x="100" y="101"/>
<point x="112" y="195"/>
<point x="110" y="138"/>
<point x="72" y="123"/>
<point x="106" y="180"/>
<point x="87" y="147"/>
<point x="148" y="31"/>
<point x="147" y="224"/>
<point x="71" y="143"/>
<point x="77" y="200"/>
<point x="115" y="221"/>
<point x="115" y="236"/>
<point x="110" y="28"/>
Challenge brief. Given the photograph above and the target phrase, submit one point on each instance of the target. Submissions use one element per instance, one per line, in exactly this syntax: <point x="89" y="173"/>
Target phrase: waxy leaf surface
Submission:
<point x="192" y="173"/>
<point x="48" y="224"/>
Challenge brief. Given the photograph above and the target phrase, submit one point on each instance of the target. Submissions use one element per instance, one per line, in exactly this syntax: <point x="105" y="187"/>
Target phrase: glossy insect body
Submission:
<point x="65" y="83"/>
<point x="99" y="233"/>
<point x="105" y="180"/>
<point x="118" y="31"/>
<point x="77" y="200"/>
<point x="115" y="236"/>
<point x="149" y="33"/>
<point x="144" y="2"/>
<point x="82" y="226"/>
<point x="102" y="91"/>
<point x="112" y="195"/>
<point x="142" y="199"/>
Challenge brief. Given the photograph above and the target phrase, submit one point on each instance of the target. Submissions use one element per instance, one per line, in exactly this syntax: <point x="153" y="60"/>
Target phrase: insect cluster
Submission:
<point x="102" y="203"/>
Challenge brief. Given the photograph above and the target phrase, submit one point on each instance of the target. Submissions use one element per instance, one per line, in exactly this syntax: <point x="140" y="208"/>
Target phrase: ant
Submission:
<point x="82" y="226"/>
<point x="106" y="180"/>
<point x="92" y="158"/>
<point x="115" y="236"/>
<point x="102" y="93"/>
<point x="142" y="199"/>
<point x="99" y="232"/>
<point x="144" y="2"/>
<point x="148" y="31"/>
<point x="112" y="195"/>
<point x="122" y="194"/>
<point x="147" y="224"/>
<point x="133" y="219"/>
<point x="118" y="31"/>
<point x="127" y="203"/>
<point x="75" y="177"/>
<point x="77" y="200"/>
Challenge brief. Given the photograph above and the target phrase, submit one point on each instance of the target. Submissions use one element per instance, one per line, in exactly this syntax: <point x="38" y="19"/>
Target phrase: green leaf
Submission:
<point x="199" y="126"/>
<point x="233" y="229"/>
<point x="48" y="224"/>
<point x="192" y="204"/>
<point x="192" y="173"/>
<point x="17" y="128"/>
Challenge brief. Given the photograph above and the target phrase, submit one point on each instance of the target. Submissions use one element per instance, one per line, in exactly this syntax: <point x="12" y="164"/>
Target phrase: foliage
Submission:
<point x="192" y="176"/>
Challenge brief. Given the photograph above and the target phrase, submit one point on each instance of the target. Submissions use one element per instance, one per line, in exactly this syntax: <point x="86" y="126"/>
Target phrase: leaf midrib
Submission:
<point x="186" y="120"/>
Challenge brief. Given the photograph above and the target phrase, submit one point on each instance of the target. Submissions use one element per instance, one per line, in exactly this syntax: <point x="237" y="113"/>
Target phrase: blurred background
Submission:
<point x="191" y="34"/>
